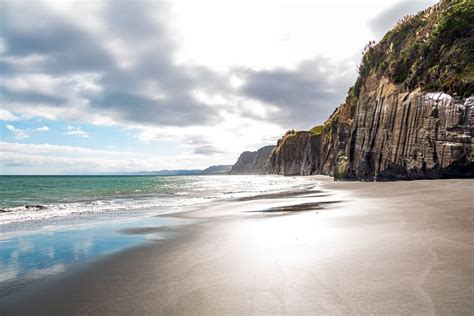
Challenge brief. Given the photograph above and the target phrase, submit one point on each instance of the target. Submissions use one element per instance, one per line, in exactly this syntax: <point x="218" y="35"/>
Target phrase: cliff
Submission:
<point x="296" y="153"/>
<point x="408" y="115"/>
<point x="216" y="170"/>
<point x="252" y="162"/>
<point x="398" y="134"/>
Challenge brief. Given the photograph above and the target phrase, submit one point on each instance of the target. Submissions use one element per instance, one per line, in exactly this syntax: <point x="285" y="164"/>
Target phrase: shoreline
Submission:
<point x="377" y="248"/>
<point x="161" y="195"/>
<point x="53" y="247"/>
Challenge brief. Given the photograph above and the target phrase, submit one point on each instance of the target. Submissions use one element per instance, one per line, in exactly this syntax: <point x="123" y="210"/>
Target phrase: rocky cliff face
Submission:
<point x="388" y="134"/>
<point x="409" y="114"/>
<point x="296" y="153"/>
<point x="216" y="170"/>
<point x="397" y="134"/>
<point x="253" y="162"/>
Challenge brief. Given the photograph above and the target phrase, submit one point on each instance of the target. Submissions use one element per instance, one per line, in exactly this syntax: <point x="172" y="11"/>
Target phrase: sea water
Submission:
<point x="48" y="223"/>
<point x="33" y="198"/>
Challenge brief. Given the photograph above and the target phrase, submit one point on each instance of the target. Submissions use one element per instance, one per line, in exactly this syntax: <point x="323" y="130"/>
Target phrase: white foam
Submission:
<point x="204" y="190"/>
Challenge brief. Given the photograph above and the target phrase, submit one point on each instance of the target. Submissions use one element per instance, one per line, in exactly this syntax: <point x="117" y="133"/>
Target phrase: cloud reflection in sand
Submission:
<point x="31" y="256"/>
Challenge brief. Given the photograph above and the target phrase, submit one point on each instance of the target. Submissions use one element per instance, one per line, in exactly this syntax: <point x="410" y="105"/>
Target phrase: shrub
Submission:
<point x="432" y="49"/>
<point x="316" y="130"/>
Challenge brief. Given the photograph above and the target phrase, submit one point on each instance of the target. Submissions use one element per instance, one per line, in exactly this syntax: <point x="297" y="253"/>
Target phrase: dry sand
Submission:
<point x="351" y="248"/>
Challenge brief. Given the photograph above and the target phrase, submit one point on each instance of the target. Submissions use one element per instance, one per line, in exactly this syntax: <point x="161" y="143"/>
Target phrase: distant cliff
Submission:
<point x="408" y="116"/>
<point x="252" y="162"/>
<point x="212" y="170"/>
<point x="296" y="153"/>
<point x="216" y="170"/>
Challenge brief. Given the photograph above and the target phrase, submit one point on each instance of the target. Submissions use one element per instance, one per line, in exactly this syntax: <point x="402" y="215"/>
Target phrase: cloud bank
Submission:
<point x="120" y="65"/>
<point x="116" y="63"/>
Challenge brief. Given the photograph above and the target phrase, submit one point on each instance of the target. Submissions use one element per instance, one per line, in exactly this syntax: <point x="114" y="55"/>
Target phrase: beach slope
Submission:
<point x="340" y="248"/>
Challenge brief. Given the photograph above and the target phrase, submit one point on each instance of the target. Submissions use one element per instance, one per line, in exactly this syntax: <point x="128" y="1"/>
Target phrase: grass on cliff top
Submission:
<point x="433" y="50"/>
<point x="316" y="130"/>
<point x="292" y="133"/>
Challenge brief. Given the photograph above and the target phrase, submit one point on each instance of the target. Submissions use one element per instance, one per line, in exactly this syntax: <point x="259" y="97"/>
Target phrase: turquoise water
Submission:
<point x="29" y="190"/>
<point x="48" y="223"/>
<point x="35" y="198"/>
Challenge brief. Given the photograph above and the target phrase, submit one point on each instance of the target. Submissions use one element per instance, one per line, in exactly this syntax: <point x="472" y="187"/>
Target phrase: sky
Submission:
<point x="92" y="87"/>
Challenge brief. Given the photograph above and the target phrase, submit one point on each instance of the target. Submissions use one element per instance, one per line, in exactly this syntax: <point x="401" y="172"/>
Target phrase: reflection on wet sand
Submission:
<point x="145" y="230"/>
<point x="304" y="207"/>
<point x="27" y="258"/>
<point x="398" y="246"/>
<point x="289" y="194"/>
<point x="293" y="201"/>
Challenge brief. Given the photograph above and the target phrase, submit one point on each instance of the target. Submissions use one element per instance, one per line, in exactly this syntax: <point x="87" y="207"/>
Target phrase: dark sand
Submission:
<point x="376" y="248"/>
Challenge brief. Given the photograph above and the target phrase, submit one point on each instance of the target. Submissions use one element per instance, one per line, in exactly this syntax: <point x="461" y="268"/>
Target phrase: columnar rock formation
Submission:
<point x="389" y="134"/>
<point x="399" y="135"/>
<point x="296" y="153"/>
<point x="408" y="116"/>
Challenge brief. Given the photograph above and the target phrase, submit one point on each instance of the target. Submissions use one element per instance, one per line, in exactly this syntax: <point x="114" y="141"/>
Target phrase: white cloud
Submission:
<point x="18" y="158"/>
<point x="25" y="133"/>
<point x="42" y="83"/>
<point x="69" y="85"/>
<point x="6" y="115"/>
<point x="235" y="81"/>
<point x="235" y="134"/>
<point x="85" y="82"/>
<point x="42" y="129"/>
<point x="274" y="34"/>
<point x="48" y="149"/>
<point x="76" y="131"/>
<point x="19" y="133"/>
<point x="24" y="62"/>
<point x="167" y="75"/>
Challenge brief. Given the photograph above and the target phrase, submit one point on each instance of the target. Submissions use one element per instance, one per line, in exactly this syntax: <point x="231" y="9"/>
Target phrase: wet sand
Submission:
<point x="345" y="248"/>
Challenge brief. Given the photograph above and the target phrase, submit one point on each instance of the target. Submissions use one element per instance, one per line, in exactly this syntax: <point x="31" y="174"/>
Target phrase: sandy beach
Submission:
<point x="341" y="248"/>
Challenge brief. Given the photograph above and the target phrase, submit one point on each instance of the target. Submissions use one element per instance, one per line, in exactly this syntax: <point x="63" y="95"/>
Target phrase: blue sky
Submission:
<point x="104" y="86"/>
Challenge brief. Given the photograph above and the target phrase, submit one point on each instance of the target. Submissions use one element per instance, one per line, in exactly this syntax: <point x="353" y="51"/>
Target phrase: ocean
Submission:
<point x="51" y="223"/>
<point x="33" y="198"/>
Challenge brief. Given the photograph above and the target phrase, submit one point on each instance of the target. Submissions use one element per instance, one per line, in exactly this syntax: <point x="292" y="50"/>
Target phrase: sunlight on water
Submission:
<point x="33" y="198"/>
<point x="48" y="223"/>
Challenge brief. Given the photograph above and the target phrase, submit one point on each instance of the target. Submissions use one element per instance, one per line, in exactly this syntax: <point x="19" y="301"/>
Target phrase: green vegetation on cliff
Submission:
<point x="316" y="130"/>
<point x="433" y="50"/>
<point x="384" y="130"/>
